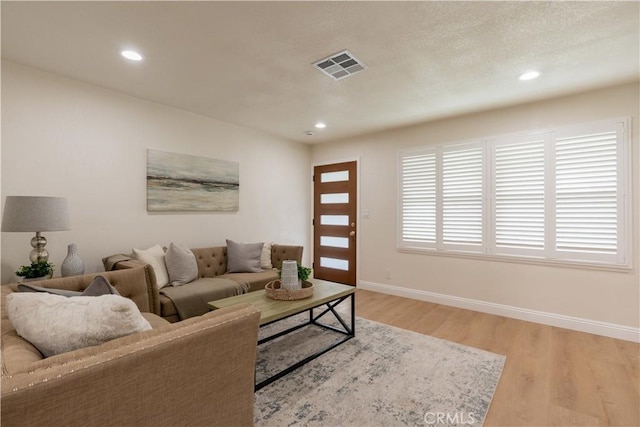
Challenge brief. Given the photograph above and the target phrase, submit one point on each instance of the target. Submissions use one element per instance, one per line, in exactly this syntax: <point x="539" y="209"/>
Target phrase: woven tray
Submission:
<point x="274" y="291"/>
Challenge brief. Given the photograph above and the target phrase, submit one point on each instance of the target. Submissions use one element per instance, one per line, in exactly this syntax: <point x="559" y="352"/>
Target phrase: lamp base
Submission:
<point x="39" y="253"/>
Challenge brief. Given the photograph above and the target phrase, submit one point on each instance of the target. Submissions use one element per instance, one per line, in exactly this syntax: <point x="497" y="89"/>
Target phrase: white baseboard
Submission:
<point x="612" y="330"/>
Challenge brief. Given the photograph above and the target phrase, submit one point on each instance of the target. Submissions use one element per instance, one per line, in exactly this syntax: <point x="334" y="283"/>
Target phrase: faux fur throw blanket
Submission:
<point x="191" y="299"/>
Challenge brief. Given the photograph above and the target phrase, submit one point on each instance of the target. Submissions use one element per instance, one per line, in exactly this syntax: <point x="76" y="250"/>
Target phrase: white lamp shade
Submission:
<point x="35" y="213"/>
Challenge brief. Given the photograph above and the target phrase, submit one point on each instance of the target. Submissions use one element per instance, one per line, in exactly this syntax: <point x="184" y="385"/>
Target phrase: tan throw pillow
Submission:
<point x="243" y="257"/>
<point x="56" y="324"/>
<point x="154" y="256"/>
<point x="181" y="265"/>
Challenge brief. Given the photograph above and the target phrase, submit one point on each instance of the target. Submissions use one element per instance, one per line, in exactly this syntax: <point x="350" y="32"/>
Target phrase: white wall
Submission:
<point x="599" y="296"/>
<point x="61" y="137"/>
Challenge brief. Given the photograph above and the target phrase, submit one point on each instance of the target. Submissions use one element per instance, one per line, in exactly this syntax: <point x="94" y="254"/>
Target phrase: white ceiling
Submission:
<point x="249" y="63"/>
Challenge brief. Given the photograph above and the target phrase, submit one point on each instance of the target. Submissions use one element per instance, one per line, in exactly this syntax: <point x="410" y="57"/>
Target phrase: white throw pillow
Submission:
<point x="265" y="257"/>
<point x="181" y="265"/>
<point x="154" y="256"/>
<point x="56" y="324"/>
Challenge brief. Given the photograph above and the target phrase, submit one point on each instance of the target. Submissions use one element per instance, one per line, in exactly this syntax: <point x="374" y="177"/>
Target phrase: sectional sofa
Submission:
<point x="213" y="279"/>
<point x="174" y="374"/>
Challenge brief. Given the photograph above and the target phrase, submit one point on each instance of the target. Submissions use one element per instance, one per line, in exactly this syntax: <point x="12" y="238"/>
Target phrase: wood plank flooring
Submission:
<point x="552" y="376"/>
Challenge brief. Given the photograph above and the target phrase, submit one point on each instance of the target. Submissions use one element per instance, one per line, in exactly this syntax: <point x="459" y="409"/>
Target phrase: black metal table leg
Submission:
<point x="348" y="332"/>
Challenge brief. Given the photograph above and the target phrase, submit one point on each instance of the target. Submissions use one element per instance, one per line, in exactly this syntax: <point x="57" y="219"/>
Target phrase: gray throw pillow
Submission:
<point x="98" y="286"/>
<point x="181" y="265"/>
<point x="243" y="257"/>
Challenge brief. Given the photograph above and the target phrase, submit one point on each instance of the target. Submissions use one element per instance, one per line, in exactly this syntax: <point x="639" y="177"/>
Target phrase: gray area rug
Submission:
<point x="385" y="376"/>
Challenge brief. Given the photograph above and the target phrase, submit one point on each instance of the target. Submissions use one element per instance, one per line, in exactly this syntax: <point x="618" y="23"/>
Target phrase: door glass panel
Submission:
<point x="334" y="242"/>
<point x="334" y="198"/>
<point x="338" y="264"/>
<point x="334" y="219"/>
<point x="334" y="176"/>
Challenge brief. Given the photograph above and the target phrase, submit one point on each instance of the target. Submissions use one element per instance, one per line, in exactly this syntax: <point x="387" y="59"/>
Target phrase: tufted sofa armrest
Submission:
<point x="149" y="278"/>
<point x="281" y="253"/>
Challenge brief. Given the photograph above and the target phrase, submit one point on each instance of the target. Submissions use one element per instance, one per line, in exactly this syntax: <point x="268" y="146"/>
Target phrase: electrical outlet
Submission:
<point x="388" y="274"/>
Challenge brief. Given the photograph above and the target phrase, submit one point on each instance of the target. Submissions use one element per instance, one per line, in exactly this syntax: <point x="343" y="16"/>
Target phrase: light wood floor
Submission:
<point x="552" y="376"/>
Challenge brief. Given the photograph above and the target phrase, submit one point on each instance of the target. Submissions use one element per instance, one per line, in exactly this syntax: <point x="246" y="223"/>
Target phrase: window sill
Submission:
<point x="519" y="259"/>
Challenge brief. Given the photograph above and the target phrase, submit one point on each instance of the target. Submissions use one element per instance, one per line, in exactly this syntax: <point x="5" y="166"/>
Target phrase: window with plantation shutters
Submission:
<point x="559" y="196"/>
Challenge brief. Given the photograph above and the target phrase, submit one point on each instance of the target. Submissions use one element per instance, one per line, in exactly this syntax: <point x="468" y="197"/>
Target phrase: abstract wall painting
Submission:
<point x="180" y="182"/>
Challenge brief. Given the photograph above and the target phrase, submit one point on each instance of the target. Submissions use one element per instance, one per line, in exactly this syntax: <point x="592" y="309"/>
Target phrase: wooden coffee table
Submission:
<point x="326" y="296"/>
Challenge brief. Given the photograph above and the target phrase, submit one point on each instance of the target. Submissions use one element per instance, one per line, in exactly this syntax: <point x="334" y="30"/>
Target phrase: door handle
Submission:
<point x="352" y="233"/>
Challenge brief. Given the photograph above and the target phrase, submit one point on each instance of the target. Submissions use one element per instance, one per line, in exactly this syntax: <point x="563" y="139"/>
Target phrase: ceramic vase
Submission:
<point x="290" y="275"/>
<point x="72" y="264"/>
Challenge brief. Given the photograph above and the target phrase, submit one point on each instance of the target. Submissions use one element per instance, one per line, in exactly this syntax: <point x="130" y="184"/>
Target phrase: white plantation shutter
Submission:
<point x="561" y="197"/>
<point x="418" y="198"/>
<point x="586" y="188"/>
<point x="463" y="195"/>
<point x="519" y="198"/>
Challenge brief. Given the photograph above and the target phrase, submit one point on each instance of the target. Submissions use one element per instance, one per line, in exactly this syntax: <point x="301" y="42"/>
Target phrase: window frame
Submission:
<point x="622" y="260"/>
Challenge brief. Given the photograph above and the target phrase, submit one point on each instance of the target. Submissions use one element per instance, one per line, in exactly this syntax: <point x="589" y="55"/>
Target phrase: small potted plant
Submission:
<point x="303" y="272"/>
<point x="38" y="270"/>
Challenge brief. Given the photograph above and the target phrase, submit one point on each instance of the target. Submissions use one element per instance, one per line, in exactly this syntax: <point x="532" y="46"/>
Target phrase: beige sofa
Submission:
<point x="173" y="375"/>
<point x="212" y="263"/>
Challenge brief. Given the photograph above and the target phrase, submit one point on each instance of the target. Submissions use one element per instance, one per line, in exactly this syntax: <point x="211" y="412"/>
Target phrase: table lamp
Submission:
<point x="35" y="213"/>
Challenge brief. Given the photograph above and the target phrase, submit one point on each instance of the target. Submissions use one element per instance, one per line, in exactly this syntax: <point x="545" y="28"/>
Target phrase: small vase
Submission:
<point x="290" y="275"/>
<point x="72" y="264"/>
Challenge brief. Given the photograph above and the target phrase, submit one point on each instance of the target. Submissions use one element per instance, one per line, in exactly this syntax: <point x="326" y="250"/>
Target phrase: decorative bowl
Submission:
<point x="274" y="290"/>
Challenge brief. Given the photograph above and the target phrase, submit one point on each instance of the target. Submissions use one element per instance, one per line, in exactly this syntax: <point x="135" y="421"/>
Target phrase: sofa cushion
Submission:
<point x="167" y="308"/>
<point x="55" y="324"/>
<point x="181" y="265"/>
<point x="18" y="354"/>
<point x="191" y="300"/>
<point x="243" y="257"/>
<point x="154" y="256"/>
<point x="254" y="281"/>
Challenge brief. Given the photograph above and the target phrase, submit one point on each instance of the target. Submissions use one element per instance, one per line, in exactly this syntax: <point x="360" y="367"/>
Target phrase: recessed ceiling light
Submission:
<point x="530" y="75"/>
<point x="131" y="55"/>
<point x="320" y="125"/>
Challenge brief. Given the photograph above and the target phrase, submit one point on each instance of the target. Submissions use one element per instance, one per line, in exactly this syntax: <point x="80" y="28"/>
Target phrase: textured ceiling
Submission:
<point x="249" y="63"/>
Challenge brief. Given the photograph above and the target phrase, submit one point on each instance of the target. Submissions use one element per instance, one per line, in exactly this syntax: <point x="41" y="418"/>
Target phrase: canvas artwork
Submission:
<point x="180" y="182"/>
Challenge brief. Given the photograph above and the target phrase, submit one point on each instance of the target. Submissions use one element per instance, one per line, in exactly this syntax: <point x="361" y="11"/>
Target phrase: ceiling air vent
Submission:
<point x="340" y="65"/>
